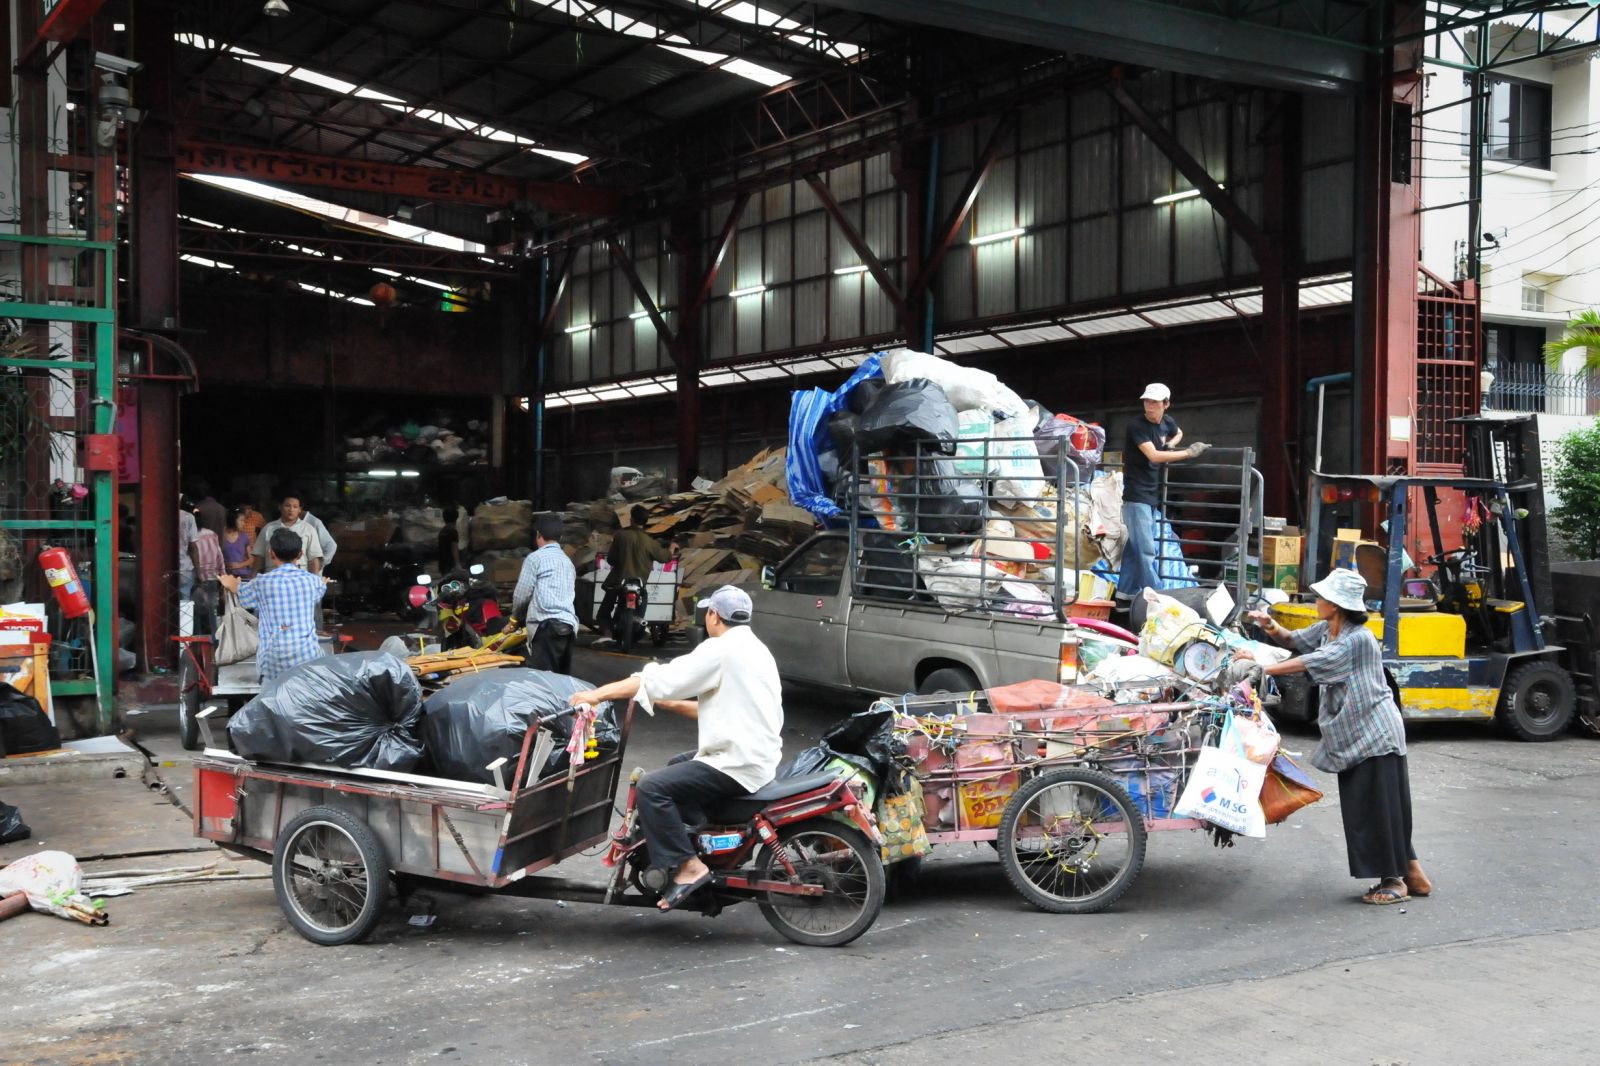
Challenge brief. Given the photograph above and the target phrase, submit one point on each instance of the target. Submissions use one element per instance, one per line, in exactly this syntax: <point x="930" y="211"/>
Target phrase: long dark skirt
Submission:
<point x="1375" y="800"/>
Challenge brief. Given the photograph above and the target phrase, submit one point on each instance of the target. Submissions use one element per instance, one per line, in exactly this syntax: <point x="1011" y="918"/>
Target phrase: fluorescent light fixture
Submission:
<point x="119" y="27"/>
<point x="858" y="269"/>
<point x="386" y="272"/>
<point x="71" y="106"/>
<point x="1003" y="235"/>
<point x="1187" y="194"/>
<point x="585" y="327"/>
<point x="339" y="213"/>
<point x="430" y="284"/>
<point x="383" y="473"/>
<point x="410" y="473"/>
<point x="751" y="291"/>
<point x="200" y="260"/>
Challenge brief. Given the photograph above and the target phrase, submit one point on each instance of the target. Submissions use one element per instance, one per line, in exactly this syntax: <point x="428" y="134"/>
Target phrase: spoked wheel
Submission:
<point x="1071" y="841"/>
<point x="331" y="876"/>
<point x="188" y="702"/>
<point x="841" y="860"/>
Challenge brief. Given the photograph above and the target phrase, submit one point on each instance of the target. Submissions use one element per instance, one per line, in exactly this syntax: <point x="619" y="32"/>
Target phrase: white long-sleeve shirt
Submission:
<point x="741" y="703"/>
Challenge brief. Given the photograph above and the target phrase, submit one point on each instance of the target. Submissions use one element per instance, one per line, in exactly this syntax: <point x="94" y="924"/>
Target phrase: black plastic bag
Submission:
<point x="24" y="727"/>
<point x="949" y="508"/>
<point x="844" y="429"/>
<point x="359" y="710"/>
<point x="908" y="412"/>
<point x="862" y="396"/>
<point x="887" y="571"/>
<point x="865" y="740"/>
<point x="12" y="827"/>
<point x="477" y="719"/>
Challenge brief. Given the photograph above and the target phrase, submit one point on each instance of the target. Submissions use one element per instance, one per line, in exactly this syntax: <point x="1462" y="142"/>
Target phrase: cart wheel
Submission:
<point x="835" y="856"/>
<point x="1537" y="701"/>
<point x="188" y="703"/>
<point x="331" y="876"/>
<point x="1071" y="841"/>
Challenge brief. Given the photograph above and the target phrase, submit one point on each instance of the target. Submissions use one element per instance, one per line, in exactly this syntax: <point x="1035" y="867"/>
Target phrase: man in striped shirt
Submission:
<point x="285" y="600"/>
<point x="544" y="599"/>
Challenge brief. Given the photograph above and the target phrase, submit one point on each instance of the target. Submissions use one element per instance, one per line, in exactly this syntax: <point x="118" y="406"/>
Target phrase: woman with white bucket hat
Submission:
<point x="1363" y="737"/>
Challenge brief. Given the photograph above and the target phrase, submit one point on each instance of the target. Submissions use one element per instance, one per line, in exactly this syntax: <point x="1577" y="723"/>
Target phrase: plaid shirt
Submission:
<point x="1358" y="717"/>
<point x="547" y="588"/>
<point x="286" y="601"/>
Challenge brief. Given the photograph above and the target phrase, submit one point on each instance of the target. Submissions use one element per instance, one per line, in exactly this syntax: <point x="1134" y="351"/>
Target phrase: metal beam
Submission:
<point x="1149" y="33"/>
<point x="964" y="201"/>
<point x="1191" y="168"/>
<point x="422" y="183"/>
<point x="630" y="271"/>
<point x="719" y="252"/>
<point x="868" y="257"/>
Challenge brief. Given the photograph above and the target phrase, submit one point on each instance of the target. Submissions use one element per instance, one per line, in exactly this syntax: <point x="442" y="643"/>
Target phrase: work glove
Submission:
<point x="1197" y="449"/>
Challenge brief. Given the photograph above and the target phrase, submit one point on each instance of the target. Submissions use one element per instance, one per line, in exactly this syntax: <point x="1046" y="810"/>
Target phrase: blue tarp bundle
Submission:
<point x="809" y="411"/>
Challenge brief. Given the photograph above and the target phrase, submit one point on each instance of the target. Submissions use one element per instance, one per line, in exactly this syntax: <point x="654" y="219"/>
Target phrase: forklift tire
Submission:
<point x="1538" y="701"/>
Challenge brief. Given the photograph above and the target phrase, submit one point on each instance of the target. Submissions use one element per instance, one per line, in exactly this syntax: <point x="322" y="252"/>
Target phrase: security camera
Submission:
<point x="116" y="64"/>
<point x="275" y="9"/>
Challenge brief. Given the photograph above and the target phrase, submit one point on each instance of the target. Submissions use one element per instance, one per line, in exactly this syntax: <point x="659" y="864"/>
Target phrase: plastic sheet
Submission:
<point x="809" y="411"/>
<point x="967" y="388"/>
<point x="354" y="710"/>
<point x="51" y="881"/>
<point x="483" y="717"/>
<point x="906" y="413"/>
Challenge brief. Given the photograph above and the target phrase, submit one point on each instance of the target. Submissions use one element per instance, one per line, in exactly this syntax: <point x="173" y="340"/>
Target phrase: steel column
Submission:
<point x="154" y="248"/>
<point x="1279" y="260"/>
<point x="689" y="349"/>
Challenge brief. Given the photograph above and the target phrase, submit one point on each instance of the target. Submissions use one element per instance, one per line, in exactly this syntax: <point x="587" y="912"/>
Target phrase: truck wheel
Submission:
<point x="1538" y="701"/>
<point x="948" y="679"/>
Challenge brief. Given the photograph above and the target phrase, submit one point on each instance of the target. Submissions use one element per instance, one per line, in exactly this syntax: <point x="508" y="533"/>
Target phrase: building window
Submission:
<point x="1532" y="294"/>
<point x="1516" y="122"/>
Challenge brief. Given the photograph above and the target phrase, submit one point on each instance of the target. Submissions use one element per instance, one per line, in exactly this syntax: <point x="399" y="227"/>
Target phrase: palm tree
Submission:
<point x="1583" y="331"/>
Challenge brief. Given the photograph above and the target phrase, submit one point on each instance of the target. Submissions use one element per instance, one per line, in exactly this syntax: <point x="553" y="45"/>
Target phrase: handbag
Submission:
<point x="237" y="637"/>
<point x="1286" y="789"/>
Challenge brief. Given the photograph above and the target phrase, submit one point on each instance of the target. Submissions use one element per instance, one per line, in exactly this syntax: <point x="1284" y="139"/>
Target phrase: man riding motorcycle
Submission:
<point x="632" y="551"/>
<point x="730" y="685"/>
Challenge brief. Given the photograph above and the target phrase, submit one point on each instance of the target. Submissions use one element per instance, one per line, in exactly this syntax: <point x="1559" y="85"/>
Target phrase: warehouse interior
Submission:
<point x="568" y="236"/>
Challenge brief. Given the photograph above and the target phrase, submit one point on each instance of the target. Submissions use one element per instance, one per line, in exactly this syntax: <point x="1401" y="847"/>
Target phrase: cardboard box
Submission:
<point x="1284" y="547"/>
<point x="1282" y="576"/>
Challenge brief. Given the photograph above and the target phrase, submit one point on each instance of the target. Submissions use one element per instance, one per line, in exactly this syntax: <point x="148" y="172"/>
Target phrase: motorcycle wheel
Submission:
<point x="840" y="859"/>
<point x="627" y="629"/>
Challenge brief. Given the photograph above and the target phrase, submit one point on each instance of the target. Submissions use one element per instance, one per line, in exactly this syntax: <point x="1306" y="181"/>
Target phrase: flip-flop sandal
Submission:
<point x="677" y="893"/>
<point x="1384" y="895"/>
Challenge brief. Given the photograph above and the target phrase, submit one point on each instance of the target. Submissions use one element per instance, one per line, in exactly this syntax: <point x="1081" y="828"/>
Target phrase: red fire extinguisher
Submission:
<point x="63" y="580"/>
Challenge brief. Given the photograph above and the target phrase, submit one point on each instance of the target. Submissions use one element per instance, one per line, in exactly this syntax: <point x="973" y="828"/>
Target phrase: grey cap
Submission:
<point x="731" y="603"/>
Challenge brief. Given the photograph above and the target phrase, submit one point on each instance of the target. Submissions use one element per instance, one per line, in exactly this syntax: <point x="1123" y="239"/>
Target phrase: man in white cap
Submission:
<point x="1151" y="440"/>
<point x="730" y="685"/>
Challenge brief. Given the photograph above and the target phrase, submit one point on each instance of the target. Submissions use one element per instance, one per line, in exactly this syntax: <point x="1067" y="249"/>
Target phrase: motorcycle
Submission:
<point x="466" y="613"/>
<point x="805" y="849"/>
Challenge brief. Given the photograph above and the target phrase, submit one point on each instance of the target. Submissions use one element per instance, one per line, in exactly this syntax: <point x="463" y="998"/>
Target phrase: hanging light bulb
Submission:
<point x="275" y="9"/>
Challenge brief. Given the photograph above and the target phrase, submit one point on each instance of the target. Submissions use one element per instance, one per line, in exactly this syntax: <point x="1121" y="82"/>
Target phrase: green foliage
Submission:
<point x="1583" y="331"/>
<point x="1576" y="478"/>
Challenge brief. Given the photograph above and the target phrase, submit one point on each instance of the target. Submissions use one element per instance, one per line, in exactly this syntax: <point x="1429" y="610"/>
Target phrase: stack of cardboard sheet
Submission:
<point x="727" y="532"/>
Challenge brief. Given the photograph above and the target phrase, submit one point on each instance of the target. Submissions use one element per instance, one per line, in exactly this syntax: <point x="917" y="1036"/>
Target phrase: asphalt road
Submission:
<point x="1211" y="953"/>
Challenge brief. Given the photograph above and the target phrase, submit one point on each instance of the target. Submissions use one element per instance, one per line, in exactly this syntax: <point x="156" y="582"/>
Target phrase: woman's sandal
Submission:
<point x="1385" y="892"/>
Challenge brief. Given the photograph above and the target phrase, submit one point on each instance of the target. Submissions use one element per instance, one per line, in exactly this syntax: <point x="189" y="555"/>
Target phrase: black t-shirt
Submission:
<point x="449" y="548"/>
<point x="1141" y="479"/>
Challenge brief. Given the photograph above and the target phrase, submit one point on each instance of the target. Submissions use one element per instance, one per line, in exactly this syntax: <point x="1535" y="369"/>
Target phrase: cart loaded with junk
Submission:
<point x="365" y="775"/>
<point x="1160" y="731"/>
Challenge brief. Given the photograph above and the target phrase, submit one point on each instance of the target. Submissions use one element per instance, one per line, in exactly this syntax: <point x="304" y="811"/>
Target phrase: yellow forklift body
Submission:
<point x="1424" y="634"/>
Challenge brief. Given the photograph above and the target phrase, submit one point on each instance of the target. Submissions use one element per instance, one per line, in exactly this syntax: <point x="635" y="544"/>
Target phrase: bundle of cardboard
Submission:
<point x="728" y="531"/>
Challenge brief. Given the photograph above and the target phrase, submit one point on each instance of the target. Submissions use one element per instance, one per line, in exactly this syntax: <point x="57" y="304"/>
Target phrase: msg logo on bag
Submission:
<point x="1209" y="795"/>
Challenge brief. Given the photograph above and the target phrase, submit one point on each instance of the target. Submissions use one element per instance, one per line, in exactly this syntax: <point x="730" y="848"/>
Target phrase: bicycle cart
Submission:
<point x="803" y="850"/>
<point x="1068" y="797"/>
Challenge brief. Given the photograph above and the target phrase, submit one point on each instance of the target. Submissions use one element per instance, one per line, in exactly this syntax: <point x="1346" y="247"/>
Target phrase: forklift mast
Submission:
<point x="1505" y="448"/>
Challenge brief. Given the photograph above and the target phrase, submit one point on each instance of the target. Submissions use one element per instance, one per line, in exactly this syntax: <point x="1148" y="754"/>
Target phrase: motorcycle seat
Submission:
<point x="743" y="808"/>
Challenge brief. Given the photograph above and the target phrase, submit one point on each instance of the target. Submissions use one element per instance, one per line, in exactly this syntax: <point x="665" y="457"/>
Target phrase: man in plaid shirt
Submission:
<point x="285" y="600"/>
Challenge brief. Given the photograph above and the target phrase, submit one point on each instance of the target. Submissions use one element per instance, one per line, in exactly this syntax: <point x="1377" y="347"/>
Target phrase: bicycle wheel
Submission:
<point x="1071" y="841"/>
<point x="840" y="859"/>
<point x="331" y="875"/>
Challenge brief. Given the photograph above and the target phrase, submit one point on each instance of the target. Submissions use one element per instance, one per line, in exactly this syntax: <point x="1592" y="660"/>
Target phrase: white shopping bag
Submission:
<point x="1225" y="787"/>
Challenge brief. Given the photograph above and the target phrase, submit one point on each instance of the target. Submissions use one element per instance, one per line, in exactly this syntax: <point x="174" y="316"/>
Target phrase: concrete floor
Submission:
<point x="1259" y="951"/>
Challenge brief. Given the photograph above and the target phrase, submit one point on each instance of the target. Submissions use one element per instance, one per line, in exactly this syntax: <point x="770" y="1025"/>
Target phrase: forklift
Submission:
<point x="1488" y="631"/>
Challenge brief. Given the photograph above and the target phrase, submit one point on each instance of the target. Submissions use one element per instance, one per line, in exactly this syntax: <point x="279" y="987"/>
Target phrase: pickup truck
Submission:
<point x="828" y="622"/>
<point x="821" y="633"/>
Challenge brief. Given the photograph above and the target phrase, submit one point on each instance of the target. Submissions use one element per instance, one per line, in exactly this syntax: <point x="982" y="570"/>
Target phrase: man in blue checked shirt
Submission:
<point x="285" y="601"/>
<point x="546" y="593"/>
